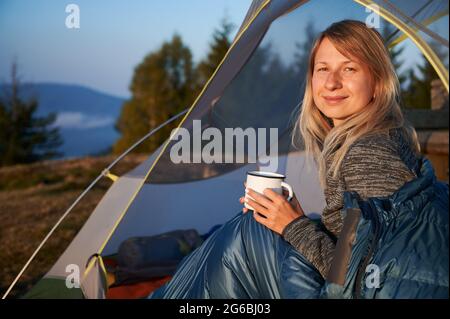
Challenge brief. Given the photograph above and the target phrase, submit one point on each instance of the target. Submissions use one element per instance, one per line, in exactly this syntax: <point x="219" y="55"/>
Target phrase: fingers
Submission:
<point x="261" y="199"/>
<point x="286" y="195"/>
<point x="257" y="207"/>
<point x="242" y="201"/>
<point x="274" y="196"/>
<point x="285" y="192"/>
<point x="260" y="219"/>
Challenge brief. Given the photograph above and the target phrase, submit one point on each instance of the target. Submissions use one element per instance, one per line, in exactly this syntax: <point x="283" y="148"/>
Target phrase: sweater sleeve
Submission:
<point x="372" y="167"/>
<point x="312" y="241"/>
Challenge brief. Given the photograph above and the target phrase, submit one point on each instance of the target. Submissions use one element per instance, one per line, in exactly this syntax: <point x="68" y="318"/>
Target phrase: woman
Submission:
<point x="351" y="123"/>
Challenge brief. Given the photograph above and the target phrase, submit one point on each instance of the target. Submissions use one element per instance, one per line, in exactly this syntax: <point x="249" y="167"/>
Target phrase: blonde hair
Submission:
<point x="325" y="142"/>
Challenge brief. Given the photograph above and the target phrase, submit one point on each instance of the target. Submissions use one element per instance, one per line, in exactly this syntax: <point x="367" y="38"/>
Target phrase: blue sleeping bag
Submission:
<point x="390" y="247"/>
<point x="394" y="247"/>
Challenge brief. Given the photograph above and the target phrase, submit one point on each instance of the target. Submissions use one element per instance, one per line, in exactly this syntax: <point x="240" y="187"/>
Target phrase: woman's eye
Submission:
<point x="349" y="69"/>
<point x="321" y="69"/>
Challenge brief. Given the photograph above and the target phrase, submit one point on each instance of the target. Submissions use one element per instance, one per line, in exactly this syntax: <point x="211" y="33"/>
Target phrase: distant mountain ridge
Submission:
<point x="86" y="117"/>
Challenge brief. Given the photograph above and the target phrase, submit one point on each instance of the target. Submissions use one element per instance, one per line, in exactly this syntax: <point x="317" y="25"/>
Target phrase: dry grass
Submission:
<point x="32" y="199"/>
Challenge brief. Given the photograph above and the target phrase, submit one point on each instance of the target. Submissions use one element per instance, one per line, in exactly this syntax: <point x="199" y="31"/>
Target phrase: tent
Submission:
<point x="258" y="84"/>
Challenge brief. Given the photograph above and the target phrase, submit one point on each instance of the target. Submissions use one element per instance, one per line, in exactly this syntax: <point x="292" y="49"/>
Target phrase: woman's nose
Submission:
<point x="333" y="81"/>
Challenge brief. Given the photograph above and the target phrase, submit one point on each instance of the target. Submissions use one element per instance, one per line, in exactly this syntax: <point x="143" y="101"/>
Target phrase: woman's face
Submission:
<point x="341" y="86"/>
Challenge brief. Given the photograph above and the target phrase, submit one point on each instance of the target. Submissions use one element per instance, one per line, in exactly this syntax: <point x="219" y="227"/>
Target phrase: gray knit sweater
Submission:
<point x="375" y="165"/>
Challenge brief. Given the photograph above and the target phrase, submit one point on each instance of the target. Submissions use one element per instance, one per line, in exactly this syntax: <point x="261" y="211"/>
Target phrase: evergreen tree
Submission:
<point x="24" y="137"/>
<point x="218" y="48"/>
<point x="162" y="86"/>
<point x="418" y="94"/>
<point x="388" y="33"/>
<point x="303" y="50"/>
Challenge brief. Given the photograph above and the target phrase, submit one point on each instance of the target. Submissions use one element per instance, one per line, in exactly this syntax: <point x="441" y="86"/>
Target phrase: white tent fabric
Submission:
<point x="97" y="228"/>
<point x="186" y="211"/>
<point x="204" y="204"/>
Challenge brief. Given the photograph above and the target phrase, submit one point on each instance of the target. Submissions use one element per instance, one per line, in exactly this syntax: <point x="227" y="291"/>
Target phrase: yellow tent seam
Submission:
<point x="422" y="45"/>
<point x="105" y="274"/>
<point x="112" y="176"/>
<point x="99" y="259"/>
<point x="425" y="22"/>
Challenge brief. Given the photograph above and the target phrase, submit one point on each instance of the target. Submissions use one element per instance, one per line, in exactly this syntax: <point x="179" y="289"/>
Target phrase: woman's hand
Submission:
<point x="277" y="211"/>
<point x="242" y="201"/>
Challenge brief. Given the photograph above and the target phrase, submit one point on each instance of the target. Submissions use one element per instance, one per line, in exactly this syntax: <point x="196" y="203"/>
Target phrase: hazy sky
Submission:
<point x="113" y="37"/>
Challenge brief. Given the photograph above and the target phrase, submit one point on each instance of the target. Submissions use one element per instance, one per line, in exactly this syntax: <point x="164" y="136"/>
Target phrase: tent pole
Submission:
<point x="143" y="139"/>
<point x="105" y="172"/>
<point x="429" y="54"/>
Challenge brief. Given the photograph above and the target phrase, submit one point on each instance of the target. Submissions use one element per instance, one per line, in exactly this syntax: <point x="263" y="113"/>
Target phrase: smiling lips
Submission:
<point x="334" y="99"/>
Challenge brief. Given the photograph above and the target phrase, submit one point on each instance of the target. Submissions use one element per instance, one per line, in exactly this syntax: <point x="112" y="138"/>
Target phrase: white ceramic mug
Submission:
<point x="260" y="180"/>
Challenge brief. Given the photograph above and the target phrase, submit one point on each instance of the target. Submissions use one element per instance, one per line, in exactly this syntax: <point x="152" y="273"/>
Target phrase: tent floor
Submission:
<point x="136" y="290"/>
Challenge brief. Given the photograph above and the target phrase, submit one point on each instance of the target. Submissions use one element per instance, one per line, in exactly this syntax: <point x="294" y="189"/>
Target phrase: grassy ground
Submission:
<point x="32" y="199"/>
